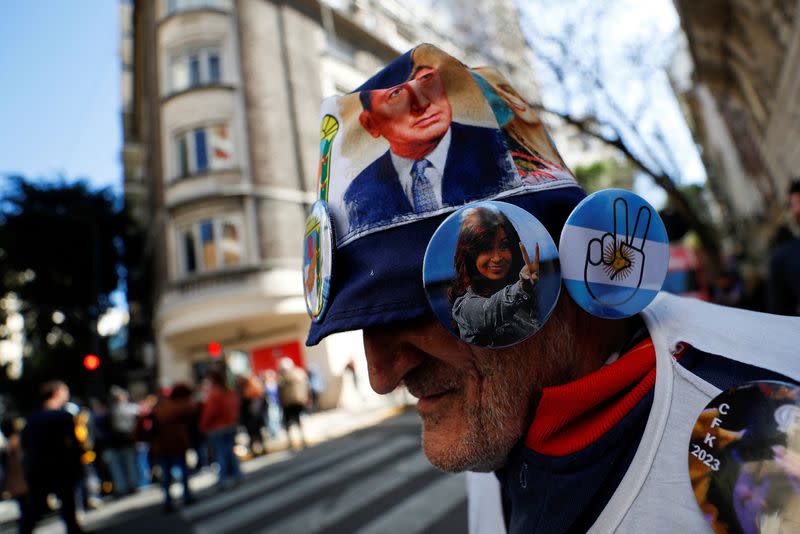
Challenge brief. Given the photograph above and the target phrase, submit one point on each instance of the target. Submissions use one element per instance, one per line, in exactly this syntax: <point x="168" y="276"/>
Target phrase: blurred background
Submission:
<point x="158" y="158"/>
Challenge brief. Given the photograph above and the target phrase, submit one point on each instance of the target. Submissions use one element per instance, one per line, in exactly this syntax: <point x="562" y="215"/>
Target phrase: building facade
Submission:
<point x="740" y="81"/>
<point x="221" y="102"/>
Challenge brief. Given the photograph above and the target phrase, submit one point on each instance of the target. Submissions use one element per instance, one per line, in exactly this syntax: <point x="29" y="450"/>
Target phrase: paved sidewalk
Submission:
<point x="318" y="427"/>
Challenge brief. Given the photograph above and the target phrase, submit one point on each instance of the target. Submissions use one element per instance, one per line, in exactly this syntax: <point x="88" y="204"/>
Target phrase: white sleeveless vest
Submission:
<point x="655" y="495"/>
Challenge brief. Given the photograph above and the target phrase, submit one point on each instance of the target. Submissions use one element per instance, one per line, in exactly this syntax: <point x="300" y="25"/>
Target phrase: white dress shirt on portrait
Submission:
<point x="434" y="172"/>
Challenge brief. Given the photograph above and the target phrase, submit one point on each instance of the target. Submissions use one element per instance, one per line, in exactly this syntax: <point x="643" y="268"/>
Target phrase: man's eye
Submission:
<point x="426" y="77"/>
<point x="395" y="93"/>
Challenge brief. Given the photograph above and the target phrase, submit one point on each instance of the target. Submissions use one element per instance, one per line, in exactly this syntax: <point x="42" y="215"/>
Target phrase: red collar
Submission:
<point x="574" y="415"/>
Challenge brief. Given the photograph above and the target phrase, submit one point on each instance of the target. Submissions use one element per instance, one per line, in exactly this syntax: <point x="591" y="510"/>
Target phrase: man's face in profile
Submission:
<point x="412" y="116"/>
<point x="61" y="395"/>
<point x="475" y="403"/>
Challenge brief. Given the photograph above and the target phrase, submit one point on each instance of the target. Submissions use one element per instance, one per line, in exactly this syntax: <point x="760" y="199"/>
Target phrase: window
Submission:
<point x="203" y="149"/>
<point x="217" y="243"/>
<point x="195" y="67"/>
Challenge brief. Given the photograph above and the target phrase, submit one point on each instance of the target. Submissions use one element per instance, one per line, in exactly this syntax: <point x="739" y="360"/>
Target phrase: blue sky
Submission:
<point x="60" y="98"/>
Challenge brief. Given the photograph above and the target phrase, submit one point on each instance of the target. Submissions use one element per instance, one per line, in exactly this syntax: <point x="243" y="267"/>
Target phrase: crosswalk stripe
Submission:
<point x="328" y="511"/>
<point x="287" y="473"/>
<point x="419" y="511"/>
<point x="249" y="512"/>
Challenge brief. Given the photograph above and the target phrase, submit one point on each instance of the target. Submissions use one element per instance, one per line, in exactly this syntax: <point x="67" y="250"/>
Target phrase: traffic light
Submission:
<point x="214" y="349"/>
<point x="91" y="362"/>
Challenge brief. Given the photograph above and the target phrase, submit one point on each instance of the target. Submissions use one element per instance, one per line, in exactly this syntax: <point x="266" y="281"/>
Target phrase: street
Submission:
<point x="375" y="480"/>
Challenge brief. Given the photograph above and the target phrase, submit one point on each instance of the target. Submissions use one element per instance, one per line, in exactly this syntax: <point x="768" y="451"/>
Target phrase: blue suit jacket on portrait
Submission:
<point x="475" y="168"/>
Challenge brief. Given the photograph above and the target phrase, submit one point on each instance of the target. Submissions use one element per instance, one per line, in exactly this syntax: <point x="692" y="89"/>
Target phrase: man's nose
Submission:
<point x="419" y="101"/>
<point x="389" y="357"/>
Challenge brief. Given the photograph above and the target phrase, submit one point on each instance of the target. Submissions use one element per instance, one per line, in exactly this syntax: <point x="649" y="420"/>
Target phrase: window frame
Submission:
<point x="188" y="160"/>
<point x="194" y="230"/>
<point x="184" y="58"/>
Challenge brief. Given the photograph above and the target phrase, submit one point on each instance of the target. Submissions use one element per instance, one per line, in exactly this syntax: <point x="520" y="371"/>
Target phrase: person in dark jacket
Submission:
<point x="172" y="417"/>
<point x="783" y="287"/>
<point x="51" y="458"/>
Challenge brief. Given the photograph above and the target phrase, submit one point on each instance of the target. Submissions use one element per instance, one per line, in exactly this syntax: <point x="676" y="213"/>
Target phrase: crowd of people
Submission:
<point x="87" y="453"/>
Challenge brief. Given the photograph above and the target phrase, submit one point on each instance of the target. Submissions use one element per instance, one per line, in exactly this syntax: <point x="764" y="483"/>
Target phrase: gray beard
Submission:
<point x="513" y="380"/>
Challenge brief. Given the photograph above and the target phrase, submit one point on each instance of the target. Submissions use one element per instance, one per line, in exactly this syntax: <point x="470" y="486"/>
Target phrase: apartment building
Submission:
<point x="221" y="102"/>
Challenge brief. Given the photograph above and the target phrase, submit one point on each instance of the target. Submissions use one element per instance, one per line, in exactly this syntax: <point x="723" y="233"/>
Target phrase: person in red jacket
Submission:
<point x="219" y="420"/>
<point x="171" y="419"/>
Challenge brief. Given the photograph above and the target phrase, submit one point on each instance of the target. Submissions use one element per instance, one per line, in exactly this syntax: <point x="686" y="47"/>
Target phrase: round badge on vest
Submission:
<point x="744" y="459"/>
<point x="614" y="253"/>
<point x="317" y="259"/>
<point x="491" y="274"/>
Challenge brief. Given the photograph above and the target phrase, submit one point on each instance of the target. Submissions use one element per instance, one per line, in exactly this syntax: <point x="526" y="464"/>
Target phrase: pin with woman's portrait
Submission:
<point x="492" y="274"/>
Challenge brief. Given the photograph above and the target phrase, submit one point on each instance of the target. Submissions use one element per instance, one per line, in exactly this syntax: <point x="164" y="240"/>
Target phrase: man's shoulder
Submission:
<point x="48" y="416"/>
<point x="787" y="250"/>
<point x="376" y="175"/>
<point x="466" y="136"/>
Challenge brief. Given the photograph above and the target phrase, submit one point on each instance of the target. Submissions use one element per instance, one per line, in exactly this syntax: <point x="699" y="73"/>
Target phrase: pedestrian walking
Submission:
<point x="13" y="477"/>
<point x="316" y="384"/>
<point x="218" y="420"/>
<point x="121" y="452"/>
<point x="51" y="459"/>
<point x="784" y="267"/>
<point x="143" y="435"/>
<point x="172" y="417"/>
<point x="252" y="411"/>
<point x="293" y="391"/>
<point x="273" y="414"/>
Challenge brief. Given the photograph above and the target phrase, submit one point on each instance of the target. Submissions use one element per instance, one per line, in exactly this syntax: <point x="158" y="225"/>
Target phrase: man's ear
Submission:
<point x="366" y="120"/>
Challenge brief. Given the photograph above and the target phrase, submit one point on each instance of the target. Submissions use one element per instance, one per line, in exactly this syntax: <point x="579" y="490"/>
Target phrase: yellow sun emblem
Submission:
<point x="618" y="262"/>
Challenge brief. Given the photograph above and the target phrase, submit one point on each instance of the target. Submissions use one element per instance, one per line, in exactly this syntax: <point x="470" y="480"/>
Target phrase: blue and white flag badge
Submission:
<point x="614" y="253"/>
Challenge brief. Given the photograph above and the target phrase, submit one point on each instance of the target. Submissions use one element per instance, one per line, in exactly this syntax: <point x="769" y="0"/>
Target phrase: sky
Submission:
<point x="60" y="97"/>
<point x="61" y="100"/>
<point x="638" y="36"/>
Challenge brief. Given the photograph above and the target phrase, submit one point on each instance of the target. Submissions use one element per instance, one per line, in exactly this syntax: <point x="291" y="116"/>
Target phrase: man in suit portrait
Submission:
<point x="432" y="162"/>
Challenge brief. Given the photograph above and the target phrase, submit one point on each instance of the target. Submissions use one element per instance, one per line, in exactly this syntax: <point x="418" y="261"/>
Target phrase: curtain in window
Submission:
<point x="231" y="244"/>
<point x="221" y="147"/>
<point x="207" y="244"/>
<point x="200" y="150"/>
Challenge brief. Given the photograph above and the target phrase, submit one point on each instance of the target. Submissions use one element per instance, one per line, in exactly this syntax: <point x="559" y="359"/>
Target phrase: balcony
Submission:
<point x="247" y="298"/>
<point x="175" y="8"/>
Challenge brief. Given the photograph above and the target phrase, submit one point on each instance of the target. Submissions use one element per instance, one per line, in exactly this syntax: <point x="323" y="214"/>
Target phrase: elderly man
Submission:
<point x="432" y="162"/>
<point x="586" y="424"/>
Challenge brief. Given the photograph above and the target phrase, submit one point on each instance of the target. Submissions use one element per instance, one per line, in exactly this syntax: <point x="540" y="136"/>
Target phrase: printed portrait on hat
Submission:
<point x="526" y="138"/>
<point x="423" y="137"/>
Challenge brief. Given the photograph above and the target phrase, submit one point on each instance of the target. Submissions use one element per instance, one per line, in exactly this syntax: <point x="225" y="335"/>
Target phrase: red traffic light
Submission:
<point x="214" y="349"/>
<point x="91" y="362"/>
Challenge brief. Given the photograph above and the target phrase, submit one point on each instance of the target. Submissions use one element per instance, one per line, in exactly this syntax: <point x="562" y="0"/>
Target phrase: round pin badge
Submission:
<point x="744" y="459"/>
<point x="491" y="274"/>
<point x="317" y="259"/>
<point x="614" y="253"/>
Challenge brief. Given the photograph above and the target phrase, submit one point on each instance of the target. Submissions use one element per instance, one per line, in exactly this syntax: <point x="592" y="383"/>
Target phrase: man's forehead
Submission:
<point x="421" y="70"/>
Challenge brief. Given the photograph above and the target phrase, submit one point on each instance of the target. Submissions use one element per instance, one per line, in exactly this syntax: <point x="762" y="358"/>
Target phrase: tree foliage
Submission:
<point x="60" y="254"/>
<point x="608" y="82"/>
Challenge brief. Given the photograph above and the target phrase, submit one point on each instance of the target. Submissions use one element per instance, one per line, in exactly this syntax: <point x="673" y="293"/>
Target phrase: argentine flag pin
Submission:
<point x="614" y="253"/>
